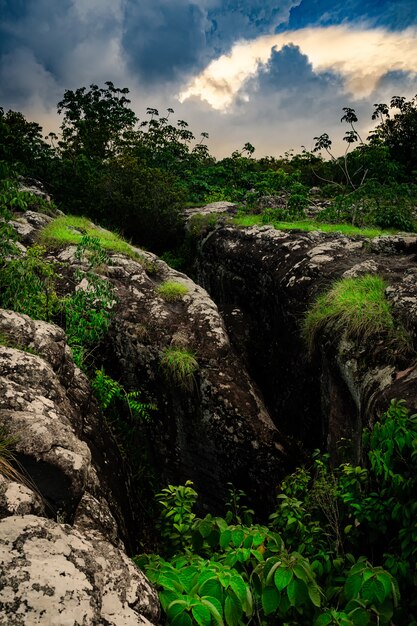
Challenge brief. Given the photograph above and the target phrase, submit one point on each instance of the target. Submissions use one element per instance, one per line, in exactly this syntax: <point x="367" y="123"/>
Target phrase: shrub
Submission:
<point x="28" y="285"/>
<point x="356" y="308"/>
<point x="87" y="315"/>
<point x="180" y="365"/>
<point x="172" y="291"/>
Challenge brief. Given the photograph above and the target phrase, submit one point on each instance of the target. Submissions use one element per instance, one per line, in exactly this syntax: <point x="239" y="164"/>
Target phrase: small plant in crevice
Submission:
<point x="180" y="366"/>
<point x="172" y="291"/>
<point x="123" y="410"/>
<point x="28" y="285"/>
<point x="355" y="308"/>
<point x="90" y="249"/>
<point x="7" y="459"/>
<point x="87" y="312"/>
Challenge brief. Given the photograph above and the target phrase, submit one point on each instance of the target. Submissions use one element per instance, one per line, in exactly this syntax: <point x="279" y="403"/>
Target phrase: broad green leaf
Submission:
<point x="282" y="578"/>
<point x="169" y="583"/>
<point x="201" y="615"/>
<point x="188" y="577"/>
<point x="205" y="528"/>
<point x="237" y="536"/>
<point x="360" y="617"/>
<point x="297" y="593"/>
<point x="232" y="611"/>
<point x="314" y="594"/>
<point x="205" y="576"/>
<point x="239" y="587"/>
<point x="215" y="609"/>
<point x="270" y="600"/>
<point x="182" y="619"/>
<point x="257" y="539"/>
<point x="270" y="568"/>
<point x="379" y="590"/>
<point x="243" y="554"/>
<point x="212" y="588"/>
<point x="225" y="538"/>
<point x="166" y="597"/>
<point x="221" y="523"/>
<point x="324" y="620"/>
<point x="176" y="608"/>
<point x="352" y="586"/>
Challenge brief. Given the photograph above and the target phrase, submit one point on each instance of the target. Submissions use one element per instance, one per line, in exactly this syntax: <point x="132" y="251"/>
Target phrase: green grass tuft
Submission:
<point x="172" y="291"/>
<point x="310" y="225"/>
<point x="180" y="365"/>
<point x="356" y="307"/>
<point x="70" y="230"/>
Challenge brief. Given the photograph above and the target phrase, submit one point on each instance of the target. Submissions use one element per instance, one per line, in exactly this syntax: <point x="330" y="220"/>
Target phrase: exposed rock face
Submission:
<point x="264" y="280"/>
<point x="217" y="430"/>
<point x="52" y="575"/>
<point x="46" y="405"/>
<point x="214" y="208"/>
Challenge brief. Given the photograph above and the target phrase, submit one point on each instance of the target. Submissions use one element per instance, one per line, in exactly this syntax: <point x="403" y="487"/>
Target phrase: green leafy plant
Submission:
<point x="177" y="516"/>
<point x="87" y="314"/>
<point x="90" y="249"/>
<point x="180" y="366"/>
<point x="172" y="291"/>
<point x="124" y="411"/>
<point x="27" y="285"/>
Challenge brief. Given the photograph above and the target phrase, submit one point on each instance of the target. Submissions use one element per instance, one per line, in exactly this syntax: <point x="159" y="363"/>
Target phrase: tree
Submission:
<point x="398" y="131"/>
<point x="95" y="121"/>
<point x="22" y="146"/>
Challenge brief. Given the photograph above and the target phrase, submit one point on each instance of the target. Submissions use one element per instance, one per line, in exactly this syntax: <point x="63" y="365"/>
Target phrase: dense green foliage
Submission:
<point x="340" y="549"/>
<point x="136" y="176"/>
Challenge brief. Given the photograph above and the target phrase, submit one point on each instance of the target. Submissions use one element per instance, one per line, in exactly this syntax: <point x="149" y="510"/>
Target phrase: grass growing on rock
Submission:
<point x="180" y="366"/>
<point x="172" y="291"/>
<point x="356" y="307"/>
<point x="310" y="225"/>
<point x="70" y="229"/>
<point x="7" y="443"/>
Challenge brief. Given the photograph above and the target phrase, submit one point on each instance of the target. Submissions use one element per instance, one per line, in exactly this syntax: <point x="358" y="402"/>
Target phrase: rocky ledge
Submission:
<point x="264" y="280"/>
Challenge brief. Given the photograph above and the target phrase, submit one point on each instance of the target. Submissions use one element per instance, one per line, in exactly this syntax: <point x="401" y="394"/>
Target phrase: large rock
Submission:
<point x="264" y="280"/>
<point x="51" y="575"/>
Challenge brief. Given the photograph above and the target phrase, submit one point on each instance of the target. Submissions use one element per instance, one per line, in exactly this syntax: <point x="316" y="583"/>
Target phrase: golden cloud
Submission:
<point x="362" y="56"/>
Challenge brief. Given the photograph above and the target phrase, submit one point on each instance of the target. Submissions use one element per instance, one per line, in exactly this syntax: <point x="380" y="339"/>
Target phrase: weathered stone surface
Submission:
<point x="35" y="410"/>
<point x="28" y="224"/>
<point x="217" y="430"/>
<point x="222" y="207"/>
<point x="19" y="499"/>
<point x="47" y="403"/>
<point x="53" y="576"/>
<point x="264" y="280"/>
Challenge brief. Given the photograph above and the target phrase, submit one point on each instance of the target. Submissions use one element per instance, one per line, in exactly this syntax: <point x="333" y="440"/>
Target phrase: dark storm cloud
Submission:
<point x="166" y="39"/>
<point x="162" y="39"/>
<point x="287" y="104"/>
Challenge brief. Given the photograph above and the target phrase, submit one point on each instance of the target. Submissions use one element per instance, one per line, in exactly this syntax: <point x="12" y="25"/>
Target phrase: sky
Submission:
<point x="272" y="73"/>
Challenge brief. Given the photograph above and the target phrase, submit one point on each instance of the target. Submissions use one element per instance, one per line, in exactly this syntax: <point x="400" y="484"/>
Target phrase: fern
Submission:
<point x="108" y="392"/>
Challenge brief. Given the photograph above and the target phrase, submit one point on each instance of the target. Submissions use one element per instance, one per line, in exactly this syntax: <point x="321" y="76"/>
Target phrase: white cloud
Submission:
<point x="362" y="56"/>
